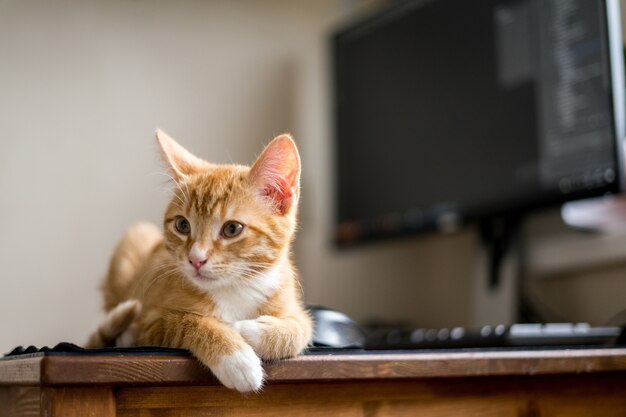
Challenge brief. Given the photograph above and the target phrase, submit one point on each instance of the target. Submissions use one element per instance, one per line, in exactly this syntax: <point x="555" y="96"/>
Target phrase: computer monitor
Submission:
<point x="449" y="111"/>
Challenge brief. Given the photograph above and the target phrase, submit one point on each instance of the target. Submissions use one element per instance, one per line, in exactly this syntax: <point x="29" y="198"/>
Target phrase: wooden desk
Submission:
<point x="590" y="382"/>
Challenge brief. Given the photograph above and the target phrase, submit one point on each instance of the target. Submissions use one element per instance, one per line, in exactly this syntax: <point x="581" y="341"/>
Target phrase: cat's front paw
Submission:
<point x="272" y="337"/>
<point x="250" y="330"/>
<point x="241" y="370"/>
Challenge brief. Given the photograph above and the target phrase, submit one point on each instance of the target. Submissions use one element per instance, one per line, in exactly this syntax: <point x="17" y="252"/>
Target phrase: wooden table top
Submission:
<point x="53" y="370"/>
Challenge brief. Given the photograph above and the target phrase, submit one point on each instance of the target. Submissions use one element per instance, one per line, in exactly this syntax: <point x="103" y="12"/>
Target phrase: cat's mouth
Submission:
<point x="202" y="277"/>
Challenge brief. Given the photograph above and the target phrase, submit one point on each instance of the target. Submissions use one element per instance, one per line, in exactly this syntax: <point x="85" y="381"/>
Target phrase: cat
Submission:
<point x="219" y="280"/>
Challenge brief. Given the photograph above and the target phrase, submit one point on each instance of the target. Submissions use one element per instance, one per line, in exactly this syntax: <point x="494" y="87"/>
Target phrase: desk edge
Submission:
<point x="175" y="370"/>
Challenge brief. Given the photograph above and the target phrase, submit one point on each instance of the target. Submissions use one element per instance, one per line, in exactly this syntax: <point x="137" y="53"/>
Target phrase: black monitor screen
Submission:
<point x="448" y="110"/>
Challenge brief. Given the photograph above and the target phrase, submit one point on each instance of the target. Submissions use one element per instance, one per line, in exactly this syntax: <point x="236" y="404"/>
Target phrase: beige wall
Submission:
<point x="84" y="83"/>
<point x="575" y="276"/>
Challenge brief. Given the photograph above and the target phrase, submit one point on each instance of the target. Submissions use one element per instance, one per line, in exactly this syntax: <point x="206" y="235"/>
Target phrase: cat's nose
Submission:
<point x="197" y="261"/>
<point x="198" y="256"/>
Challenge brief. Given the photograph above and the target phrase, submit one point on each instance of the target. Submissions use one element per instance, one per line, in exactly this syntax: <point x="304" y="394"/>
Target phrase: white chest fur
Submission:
<point x="241" y="302"/>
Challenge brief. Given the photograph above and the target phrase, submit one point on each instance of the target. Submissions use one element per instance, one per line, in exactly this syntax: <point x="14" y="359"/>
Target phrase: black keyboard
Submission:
<point x="550" y="334"/>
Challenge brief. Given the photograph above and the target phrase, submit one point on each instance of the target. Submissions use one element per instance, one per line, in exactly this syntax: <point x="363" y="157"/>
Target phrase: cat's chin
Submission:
<point x="200" y="277"/>
<point x="205" y="281"/>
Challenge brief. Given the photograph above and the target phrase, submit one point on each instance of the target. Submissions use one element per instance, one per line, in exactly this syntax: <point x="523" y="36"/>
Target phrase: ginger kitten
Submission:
<point x="219" y="280"/>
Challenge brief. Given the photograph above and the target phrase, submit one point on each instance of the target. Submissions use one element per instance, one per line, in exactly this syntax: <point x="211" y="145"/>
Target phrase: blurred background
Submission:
<point x="84" y="84"/>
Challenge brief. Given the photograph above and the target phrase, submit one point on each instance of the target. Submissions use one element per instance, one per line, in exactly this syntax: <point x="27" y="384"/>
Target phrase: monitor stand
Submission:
<point x="497" y="276"/>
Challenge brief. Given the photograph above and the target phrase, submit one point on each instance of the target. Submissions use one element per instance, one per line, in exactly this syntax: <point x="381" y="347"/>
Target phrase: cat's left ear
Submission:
<point x="276" y="173"/>
<point x="180" y="161"/>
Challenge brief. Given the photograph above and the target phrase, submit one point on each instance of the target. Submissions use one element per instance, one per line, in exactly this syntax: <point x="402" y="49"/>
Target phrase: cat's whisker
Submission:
<point x="164" y="272"/>
<point x="244" y="274"/>
<point x="159" y="267"/>
<point x="182" y="202"/>
<point x="146" y="290"/>
<point x="185" y="196"/>
<point x="171" y="179"/>
<point x="167" y="181"/>
<point x="159" y="272"/>
<point x="238" y="270"/>
<point x="186" y="192"/>
<point x="165" y="174"/>
<point x="158" y="278"/>
<point x="249" y="265"/>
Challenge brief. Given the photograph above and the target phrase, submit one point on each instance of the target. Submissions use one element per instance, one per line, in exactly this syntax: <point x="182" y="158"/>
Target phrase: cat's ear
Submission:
<point x="276" y="173"/>
<point x="180" y="161"/>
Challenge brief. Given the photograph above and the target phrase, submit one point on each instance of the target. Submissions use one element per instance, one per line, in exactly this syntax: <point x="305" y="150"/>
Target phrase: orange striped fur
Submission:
<point x="244" y="303"/>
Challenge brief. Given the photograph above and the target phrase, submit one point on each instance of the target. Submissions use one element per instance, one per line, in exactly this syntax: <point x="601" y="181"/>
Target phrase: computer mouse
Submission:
<point x="335" y="329"/>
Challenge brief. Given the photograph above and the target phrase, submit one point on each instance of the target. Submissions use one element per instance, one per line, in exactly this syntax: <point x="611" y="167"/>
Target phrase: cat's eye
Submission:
<point x="182" y="225"/>
<point x="232" y="229"/>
